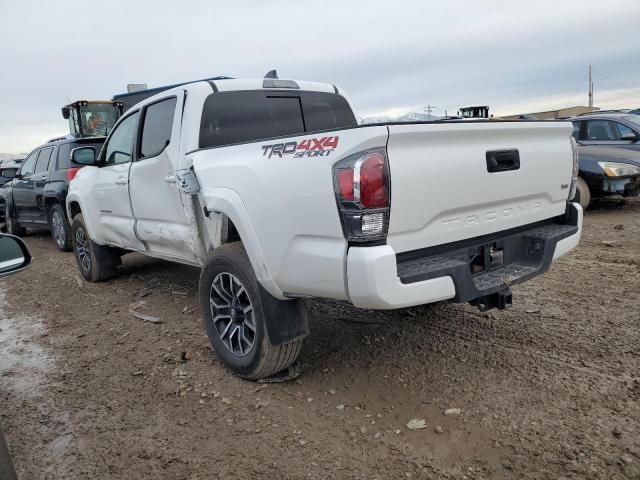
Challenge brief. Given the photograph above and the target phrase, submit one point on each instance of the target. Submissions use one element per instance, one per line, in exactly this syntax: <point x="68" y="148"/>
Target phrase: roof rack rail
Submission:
<point x="57" y="139"/>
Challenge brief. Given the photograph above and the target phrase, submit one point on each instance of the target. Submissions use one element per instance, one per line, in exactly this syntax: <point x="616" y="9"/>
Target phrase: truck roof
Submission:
<point x="272" y="83"/>
<point x="155" y="90"/>
<point x="224" y="84"/>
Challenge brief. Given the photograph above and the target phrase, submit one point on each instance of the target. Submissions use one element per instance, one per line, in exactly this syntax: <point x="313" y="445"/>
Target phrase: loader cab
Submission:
<point x="92" y="118"/>
<point x="481" y="111"/>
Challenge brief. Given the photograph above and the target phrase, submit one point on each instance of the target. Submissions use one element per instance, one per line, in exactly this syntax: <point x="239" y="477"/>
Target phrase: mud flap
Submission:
<point x="6" y="467"/>
<point x="286" y="320"/>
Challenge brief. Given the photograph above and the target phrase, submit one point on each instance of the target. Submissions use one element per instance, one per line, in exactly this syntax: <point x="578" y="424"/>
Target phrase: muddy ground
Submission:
<point x="548" y="389"/>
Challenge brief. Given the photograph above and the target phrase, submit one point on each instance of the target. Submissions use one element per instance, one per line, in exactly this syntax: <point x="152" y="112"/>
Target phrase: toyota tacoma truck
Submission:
<point x="274" y="190"/>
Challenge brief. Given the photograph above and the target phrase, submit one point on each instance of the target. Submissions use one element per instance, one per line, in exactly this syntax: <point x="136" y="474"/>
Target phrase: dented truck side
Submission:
<point x="276" y="192"/>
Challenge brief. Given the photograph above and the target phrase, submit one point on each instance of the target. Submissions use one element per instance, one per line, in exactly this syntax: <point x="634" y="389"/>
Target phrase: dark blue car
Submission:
<point x="607" y="171"/>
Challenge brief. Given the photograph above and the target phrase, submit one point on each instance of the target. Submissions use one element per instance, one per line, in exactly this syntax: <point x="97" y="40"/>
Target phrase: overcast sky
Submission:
<point x="391" y="56"/>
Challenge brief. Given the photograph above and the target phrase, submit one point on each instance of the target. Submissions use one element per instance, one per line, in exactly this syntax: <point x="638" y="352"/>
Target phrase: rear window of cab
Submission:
<point x="246" y="116"/>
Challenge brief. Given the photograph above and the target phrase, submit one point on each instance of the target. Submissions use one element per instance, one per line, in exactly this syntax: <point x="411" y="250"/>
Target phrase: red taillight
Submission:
<point x="362" y="185"/>
<point x="373" y="182"/>
<point x="345" y="184"/>
<point x="71" y="172"/>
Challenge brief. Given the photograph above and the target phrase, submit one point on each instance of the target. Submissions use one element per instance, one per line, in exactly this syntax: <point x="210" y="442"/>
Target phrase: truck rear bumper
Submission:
<point x="465" y="271"/>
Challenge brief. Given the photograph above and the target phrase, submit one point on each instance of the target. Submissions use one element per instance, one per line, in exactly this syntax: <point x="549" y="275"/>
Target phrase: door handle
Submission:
<point x="503" y="160"/>
<point x="121" y="181"/>
<point x="171" y="179"/>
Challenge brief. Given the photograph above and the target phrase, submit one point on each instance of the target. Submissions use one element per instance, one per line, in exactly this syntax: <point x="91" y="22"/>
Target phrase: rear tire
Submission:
<point x="60" y="228"/>
<point x="234" y="318"/>
<point x="584" y="195"/>
<point x="13" y="227"/>
<point x="96" y="263"/>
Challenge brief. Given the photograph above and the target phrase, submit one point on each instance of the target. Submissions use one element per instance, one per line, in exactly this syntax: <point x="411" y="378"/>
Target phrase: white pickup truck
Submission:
<point x="273" y="189"/>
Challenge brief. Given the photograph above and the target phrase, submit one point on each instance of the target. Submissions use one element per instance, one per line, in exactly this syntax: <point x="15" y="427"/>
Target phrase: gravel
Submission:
<point x="548" y="389"/>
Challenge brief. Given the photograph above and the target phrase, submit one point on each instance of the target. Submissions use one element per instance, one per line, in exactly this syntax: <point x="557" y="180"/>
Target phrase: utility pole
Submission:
<point x="590" y="91"/>
<point x="428" y="110"/>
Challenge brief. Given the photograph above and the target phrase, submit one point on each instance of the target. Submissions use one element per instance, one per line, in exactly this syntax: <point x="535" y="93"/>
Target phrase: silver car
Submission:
<point x="613" y="129"/>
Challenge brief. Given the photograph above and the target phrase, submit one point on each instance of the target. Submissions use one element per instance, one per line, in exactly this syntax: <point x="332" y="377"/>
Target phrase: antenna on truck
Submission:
<point x="271" y="74"/>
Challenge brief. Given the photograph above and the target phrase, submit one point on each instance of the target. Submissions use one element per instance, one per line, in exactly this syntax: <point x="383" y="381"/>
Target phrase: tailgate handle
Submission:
<point x="502" y="160"/>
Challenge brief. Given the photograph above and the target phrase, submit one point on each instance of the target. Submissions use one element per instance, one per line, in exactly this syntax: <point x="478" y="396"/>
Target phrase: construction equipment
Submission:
<point x="92" y="118"/>
<point x="481" y="111"/>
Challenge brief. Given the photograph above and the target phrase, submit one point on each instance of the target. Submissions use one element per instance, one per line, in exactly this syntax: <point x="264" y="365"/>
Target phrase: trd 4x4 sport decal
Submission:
<point x="313" y="147"/>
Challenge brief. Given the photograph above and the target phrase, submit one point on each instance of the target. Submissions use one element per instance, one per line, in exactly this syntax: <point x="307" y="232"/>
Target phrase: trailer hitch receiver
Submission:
<point x="501" y="300"/>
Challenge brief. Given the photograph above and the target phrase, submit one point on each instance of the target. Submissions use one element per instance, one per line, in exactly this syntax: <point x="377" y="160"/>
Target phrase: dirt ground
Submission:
<point x="547" y="389"/>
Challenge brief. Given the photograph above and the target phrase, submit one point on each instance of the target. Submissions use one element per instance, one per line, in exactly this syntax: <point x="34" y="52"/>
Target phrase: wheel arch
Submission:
<point x="74" y="206"/>
<point x="49" y="202"/>
<point x="236" y="222"/>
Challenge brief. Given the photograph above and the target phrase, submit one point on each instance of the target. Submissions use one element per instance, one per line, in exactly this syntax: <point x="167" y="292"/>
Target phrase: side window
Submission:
<point x="120" y="145"/>
<point x="576" y="130"/>
<point x="601" y="130"/>
<point x="42" y="165"/>
<point x="156" y="130"/>
<point x="622" y="130"/>
<point x="64" y="156"/>
<point x="29" y="165"/>
<point x="326" y="111"/>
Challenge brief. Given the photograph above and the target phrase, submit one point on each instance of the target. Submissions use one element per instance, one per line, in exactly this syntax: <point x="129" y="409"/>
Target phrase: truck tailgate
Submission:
<point x="446" y="187"/>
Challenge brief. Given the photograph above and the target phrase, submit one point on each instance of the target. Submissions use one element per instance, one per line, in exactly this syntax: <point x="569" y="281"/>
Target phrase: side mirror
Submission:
<point x="9" y="173"/>
<point x="83" y="156"/>
<point x="66" y="113"/>
<point x="629" y="136"/>
<point x="14" y="255"/>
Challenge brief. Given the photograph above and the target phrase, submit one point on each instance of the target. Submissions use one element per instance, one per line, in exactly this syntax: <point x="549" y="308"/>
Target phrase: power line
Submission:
<point x="615" y="82"/>
<point x="617" y="92"/>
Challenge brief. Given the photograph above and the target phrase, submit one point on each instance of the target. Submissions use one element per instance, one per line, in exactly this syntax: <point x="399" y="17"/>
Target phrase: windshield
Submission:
<point x="635" y="119"/>
<point x="93" y="119"/>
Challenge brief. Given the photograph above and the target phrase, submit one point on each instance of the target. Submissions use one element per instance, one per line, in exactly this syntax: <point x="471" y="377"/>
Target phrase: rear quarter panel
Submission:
<point x="291" y="207"/>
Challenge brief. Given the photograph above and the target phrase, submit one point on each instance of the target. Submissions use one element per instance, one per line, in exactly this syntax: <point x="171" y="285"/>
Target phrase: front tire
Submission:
<point x="234" y="317"/>
<point x="96" y="263"/>
<point x="60" y="228"/>
<point x="584" y="195"/>
<point x="13" y="227"/>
